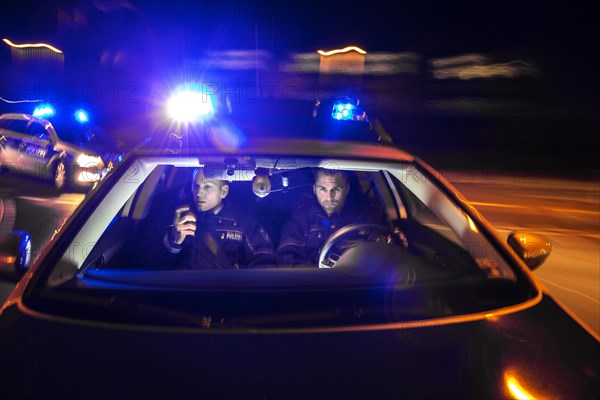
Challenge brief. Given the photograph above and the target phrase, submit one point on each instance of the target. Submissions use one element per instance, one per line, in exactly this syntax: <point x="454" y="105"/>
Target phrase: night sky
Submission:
<point x="305" y="25"/>
<point x="559" y="38"/>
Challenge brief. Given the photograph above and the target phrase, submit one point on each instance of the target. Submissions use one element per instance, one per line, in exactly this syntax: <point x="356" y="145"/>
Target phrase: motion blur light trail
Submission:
<point x="32" y="45"/>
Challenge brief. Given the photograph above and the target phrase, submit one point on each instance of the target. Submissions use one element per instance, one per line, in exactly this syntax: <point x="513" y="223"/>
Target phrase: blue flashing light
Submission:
<point x="343" y="110"/>
<point x="190" y="105"/>
<point x="43" y="111"/>
<point x="82" y="116"/>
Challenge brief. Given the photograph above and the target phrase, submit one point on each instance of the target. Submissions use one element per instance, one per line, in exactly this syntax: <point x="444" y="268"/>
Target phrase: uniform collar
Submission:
<point x="217" y="210"/>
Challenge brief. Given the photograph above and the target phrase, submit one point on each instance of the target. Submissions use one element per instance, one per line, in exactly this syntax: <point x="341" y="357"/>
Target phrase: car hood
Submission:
<point x="479" y="359"/>
<point x="540" y="351"/>
<point x="74" y="149"/>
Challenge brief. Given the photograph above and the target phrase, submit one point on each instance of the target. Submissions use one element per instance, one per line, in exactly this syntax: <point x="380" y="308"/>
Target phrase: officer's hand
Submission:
<point x="184" y="224"/>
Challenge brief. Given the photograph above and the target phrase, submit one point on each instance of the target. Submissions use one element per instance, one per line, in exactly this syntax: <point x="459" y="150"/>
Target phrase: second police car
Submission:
<point x="71" y="157"/>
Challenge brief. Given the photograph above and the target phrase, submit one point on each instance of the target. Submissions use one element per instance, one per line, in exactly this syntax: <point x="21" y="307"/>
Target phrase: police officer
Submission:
<point x="304" y="235"/>
<point x="215" y="233"/>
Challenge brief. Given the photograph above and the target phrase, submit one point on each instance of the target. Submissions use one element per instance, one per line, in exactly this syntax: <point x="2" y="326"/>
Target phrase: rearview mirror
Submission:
<point x="15" y="254"/>
<point x="531" y="247"/>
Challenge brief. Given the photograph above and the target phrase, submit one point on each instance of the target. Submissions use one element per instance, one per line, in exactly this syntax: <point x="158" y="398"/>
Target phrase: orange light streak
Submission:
<point x="516" y="390"/>
<point x="344" y="50"/>
<point x="30" y="45"/>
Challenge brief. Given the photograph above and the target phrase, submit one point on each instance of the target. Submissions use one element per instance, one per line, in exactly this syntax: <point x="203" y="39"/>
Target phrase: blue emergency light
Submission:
<point x="82" y="116"/>
<point x="43" y="111"/>
<point x="346" y="110"/>
<point x="190" y="105"/>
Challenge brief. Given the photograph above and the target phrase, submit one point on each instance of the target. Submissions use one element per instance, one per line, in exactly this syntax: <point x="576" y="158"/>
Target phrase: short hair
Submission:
<point x="198" y="169"/>
<point x="331" y="172"/>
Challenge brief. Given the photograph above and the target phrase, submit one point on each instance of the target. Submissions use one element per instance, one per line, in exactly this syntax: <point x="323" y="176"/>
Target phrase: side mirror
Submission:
<point x="531" y="247"/>
<point x="15" y="254"/>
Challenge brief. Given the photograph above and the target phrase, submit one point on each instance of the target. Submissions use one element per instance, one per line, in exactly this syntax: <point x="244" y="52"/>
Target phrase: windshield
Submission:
<point x="83" y="135"/>
<point x="287" y="227"/>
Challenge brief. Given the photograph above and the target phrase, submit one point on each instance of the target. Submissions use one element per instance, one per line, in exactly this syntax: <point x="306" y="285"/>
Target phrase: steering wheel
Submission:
<point x="326" y="261"/>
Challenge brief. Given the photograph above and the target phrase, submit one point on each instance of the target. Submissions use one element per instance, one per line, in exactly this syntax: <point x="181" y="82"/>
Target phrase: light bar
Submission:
<point x="43" y="111"/>
<point x="345" y="110"/>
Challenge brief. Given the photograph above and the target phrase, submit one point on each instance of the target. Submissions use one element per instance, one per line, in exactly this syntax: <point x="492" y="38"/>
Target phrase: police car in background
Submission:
<point x="453" y="311"/>
<point x="71" y="154"/>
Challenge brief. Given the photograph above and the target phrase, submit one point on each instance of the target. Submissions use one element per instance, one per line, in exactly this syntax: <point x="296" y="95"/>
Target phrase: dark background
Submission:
<point x="121" y="55"/>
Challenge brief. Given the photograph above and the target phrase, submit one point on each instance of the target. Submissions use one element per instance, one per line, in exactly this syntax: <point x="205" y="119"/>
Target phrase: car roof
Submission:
<point x="284" y="146"/>
<point x="283" y="127"/>
<point x="23" y="117"/>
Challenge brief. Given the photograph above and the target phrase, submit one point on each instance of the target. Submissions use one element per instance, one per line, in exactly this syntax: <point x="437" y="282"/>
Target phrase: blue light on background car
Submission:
<point x="44" y="111"/>
<point x="190" y="105"/>
<point x="82" y="116"/>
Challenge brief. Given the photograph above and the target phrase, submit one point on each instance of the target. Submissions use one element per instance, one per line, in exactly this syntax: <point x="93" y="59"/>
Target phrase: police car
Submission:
<point x="451" y="311"/>
<point x="71" y="157"/>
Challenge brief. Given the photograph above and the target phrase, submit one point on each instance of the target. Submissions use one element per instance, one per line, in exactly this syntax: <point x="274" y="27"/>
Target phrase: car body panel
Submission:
<point x="468" y="360"/>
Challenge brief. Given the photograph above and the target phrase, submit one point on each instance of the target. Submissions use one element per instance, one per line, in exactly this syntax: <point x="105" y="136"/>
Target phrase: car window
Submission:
<point x="38" y="130"/>
<point x="422" y="214"/>
<point x="13" y="125"/>
<point x="417" y="241"/>
<point x="435" y="223"/>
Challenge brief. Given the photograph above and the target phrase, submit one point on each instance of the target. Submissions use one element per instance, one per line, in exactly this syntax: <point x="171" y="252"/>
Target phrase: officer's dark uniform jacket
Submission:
<point x="304" y="235"/>
<point x="230" y="239"/>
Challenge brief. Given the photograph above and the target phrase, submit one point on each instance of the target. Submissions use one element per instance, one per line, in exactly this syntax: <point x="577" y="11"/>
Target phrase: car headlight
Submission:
<point x="87" y="161"/>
